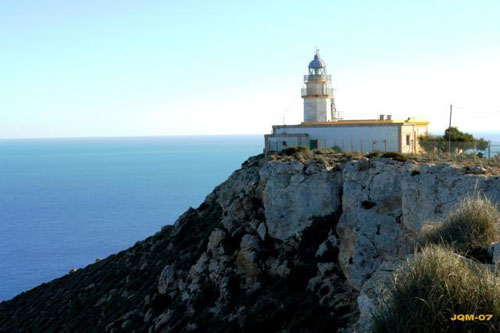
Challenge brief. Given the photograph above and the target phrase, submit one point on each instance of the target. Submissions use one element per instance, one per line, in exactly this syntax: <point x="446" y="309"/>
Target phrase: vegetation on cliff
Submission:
<point x="435" y="286"/>
<point x="443" y="279"/>
<point x="472" y="226"/>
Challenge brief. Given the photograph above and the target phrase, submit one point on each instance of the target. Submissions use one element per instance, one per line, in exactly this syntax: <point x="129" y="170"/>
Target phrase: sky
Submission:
<point x="139" y="68"/>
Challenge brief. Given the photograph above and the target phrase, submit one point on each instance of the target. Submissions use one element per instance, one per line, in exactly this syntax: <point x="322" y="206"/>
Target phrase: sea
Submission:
<point x="66" y="202"/>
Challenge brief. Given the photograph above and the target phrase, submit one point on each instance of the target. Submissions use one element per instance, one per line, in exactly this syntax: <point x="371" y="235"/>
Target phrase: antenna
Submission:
<point x="449" y="131"/>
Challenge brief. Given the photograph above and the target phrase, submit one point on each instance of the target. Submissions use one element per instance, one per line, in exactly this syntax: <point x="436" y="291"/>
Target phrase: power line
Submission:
<point x="282" y="116"/>
<point x="476" y="111"/>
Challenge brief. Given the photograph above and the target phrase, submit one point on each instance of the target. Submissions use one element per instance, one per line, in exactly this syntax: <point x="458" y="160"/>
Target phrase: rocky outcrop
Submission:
<point x="376" y="292"/>
<point x="294" y="193"/>
<point x="386" y="203"/>
<point x="280" y="246"/>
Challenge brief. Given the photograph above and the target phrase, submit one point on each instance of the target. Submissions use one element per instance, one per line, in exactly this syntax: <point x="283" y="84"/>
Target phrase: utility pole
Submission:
<point x="449" y="130"/>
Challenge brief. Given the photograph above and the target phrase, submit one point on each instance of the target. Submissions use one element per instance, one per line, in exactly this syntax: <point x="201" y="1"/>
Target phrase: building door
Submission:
<point x="313" y="144"/>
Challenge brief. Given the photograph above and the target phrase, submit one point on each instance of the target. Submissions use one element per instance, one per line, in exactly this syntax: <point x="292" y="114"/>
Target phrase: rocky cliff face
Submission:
<point x="281" y="245"/>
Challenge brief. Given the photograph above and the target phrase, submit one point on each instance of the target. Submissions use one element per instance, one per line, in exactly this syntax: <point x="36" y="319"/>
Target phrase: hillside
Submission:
<point x="284" y="244"/>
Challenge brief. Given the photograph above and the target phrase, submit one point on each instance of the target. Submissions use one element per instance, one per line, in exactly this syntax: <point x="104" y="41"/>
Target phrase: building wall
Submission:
<point x="318" y="87"/>
<point x="420" y="130"/>
<point x="351" y="137"/>
<point x="316" y="109"/>
<point x="280" y="142"/>
<point x="407" y="139"/>
<point x="413" y="131"/>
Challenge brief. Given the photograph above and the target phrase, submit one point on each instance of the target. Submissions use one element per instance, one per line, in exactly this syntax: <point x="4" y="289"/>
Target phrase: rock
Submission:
<point x="325" y="267"/>
<point x="277" y="268"/>
<point x="100" y="301"/>
<point x="262" y="231"/>
<point x="402" y="204"/>
<point x="288" y="204"/>
<point x="216" y="237"/>
<point x="161" y="320"/>
<point x="148" y="316"/>
<point x="166" y="279"/>
<point x="126" y="324"/>
<point x="494" y="250"/>
<point x="249" y="242"/>
<point x="328" y="249"/>
<point x="477" y="170"/>
<point x="367" y="236"/>
<point x="200" y="265"/>
<point x="247" y="257"/>
<point x="191" y="327"/>
<point x="375" y="291"/>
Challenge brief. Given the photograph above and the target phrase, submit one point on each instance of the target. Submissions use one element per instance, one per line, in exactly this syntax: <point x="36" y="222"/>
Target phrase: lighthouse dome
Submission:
<point x="317" y="62"/>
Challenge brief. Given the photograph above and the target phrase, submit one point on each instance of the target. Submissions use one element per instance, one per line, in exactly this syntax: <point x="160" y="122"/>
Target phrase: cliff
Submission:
<point x="280" y="245"/>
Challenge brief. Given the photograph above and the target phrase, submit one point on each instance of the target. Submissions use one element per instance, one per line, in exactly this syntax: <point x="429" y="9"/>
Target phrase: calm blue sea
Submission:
<point x="66" y="202"/>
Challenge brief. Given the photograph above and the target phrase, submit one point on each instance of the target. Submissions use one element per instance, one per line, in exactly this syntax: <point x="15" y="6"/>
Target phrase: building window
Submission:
<point x="284" y="143"/>
<point x="407" y="140"/>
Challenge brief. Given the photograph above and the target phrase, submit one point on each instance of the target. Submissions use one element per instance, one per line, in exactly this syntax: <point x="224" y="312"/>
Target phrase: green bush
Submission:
<point x="374" y="154"/>
<point x="459" y="140"/>
<point x="473" y="225"/>
<point x="395" y="156"/>
<point x="337" y="149"/>
<point x="435" y="286"/>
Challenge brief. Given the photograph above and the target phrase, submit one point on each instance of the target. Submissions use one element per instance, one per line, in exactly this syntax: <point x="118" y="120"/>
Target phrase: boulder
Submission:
<point x="376" y="291"/>
<point x="166" y="279"/>
<point x="215" y="239"/>
<point x="291" y="198"/>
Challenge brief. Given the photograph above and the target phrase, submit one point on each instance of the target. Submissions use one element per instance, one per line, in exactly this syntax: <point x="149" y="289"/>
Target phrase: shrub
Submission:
<point x="459" y="140"/>
<point x="348" y="155"/>
<point x="395" y="156"/>
<point x="374" y="154"/>
<point x="337" y="149"/>
<point x="293" y="150"/>
<point x="300" y="153"/>
<point x="304" y="155"/>
<point x="436" y="285"/>
<point x="474" y="224"/>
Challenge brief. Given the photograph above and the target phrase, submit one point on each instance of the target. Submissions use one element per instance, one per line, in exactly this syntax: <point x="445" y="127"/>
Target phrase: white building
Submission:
<point x="323" y="128"/>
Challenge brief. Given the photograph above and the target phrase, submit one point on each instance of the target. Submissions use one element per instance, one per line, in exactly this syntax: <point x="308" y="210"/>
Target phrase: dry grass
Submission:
<point x="433" y="287"/>
<point x="473" y="225"/>
<point x="439" y="283"/>
<point x="460" y="159"/>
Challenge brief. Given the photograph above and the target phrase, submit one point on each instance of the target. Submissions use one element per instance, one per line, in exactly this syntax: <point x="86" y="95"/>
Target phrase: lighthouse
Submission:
<point x="323" y="128"/>
<point x="319" y="104"/>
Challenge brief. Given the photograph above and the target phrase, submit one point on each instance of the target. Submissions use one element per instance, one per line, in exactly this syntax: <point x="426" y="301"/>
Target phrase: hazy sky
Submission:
<point x="123" y="67"/>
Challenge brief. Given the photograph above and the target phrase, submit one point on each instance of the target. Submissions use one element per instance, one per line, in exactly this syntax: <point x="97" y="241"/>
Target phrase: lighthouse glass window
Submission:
<point x="316" y="71"/>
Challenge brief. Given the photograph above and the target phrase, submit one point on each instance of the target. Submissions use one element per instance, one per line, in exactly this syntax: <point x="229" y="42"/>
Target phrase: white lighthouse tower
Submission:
<point x="319" y="104"/>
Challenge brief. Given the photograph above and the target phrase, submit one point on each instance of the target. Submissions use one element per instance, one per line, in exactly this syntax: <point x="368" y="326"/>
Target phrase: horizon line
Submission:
<point x="124" y="136"/>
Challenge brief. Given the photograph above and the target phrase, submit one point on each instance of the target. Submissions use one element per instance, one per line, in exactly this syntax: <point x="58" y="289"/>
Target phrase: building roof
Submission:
<point x="361" y="122"/>
<point x="409" y="121"/>
<point x="317" y="62"/>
